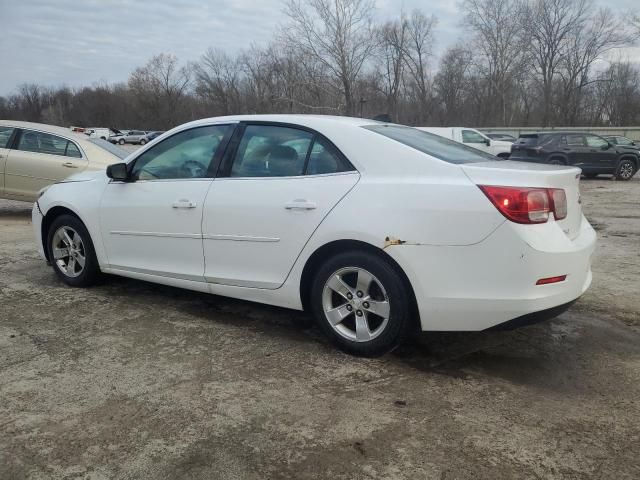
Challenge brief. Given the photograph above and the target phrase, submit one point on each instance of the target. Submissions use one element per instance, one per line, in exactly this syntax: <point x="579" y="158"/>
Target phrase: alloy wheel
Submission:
<point x="626" y="170"/>
<point x="356" y="304"/>
<point x="68" y="251"/>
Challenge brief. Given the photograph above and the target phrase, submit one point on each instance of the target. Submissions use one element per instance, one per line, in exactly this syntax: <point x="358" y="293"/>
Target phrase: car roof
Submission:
<point x="311" y="121"/>
<point x="43" y="127"/>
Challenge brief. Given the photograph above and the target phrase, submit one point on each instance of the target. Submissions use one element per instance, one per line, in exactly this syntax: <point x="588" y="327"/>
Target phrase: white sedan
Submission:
<point x="376" y="228"/>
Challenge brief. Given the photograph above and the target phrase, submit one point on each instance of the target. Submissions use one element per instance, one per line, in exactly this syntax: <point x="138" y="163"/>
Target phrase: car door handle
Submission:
<point x="300" y="205"/>
<point x="69" y="165"/>
<point x="184" y="204"/>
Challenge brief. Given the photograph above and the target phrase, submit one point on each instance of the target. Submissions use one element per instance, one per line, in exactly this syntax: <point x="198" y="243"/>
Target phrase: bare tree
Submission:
<point x="217" y="80"/>
<point x="393" y="39"/>
<point x="550" y="25"/>
<point x="588" y="43"/>
<point x="498" y="35"/>
<point x="419" y="49"/>
<point x="159" y="86"/>
<point x="338" y="34"/>
<point x="451" y="83"/>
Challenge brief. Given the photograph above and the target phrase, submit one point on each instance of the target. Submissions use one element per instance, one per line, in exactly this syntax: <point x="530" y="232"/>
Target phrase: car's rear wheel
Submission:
<point x="626" y="169"/>
<point x="360" y="301"/>
<point x="121" y="141"/>
<point x="71" y="252"/>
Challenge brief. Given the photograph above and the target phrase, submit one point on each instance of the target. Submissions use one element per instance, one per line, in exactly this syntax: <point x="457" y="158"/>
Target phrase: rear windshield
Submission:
<point x="431" y="144"/>
<point x="109" y="147"/>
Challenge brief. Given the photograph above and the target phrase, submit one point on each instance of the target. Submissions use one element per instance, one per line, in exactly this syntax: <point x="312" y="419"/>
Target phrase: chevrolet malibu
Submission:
<point x="376" y="228"/>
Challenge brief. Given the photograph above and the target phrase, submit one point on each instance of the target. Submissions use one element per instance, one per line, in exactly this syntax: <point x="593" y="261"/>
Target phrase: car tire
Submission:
<point x="71" y="252"/>
<point x="626" y="169"/>
<point x="143" y="141"/>
<point x="350" y="322"/>
<point x="121" y="141"/>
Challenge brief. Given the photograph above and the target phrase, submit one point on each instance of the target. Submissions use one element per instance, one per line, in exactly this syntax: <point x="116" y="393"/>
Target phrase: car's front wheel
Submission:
<point x="71" y="252"/>
<point x="626" y="169"/>
<point x="142" y="141"/>
<point x="360" y="301"/>
<point x="121" y="141"/>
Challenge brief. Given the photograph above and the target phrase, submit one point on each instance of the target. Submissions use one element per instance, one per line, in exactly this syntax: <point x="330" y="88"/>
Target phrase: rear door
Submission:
<point x="575" y="148"/>
<point x="6" y="135"/>
<point x="276" y="186"/>
<point x="40" y="159"/>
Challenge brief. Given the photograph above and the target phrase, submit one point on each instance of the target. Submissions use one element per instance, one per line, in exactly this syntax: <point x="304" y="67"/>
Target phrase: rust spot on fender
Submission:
<point x="389" y="241"/>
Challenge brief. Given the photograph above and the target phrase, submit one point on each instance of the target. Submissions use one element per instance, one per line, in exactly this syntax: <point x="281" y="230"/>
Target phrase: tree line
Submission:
<point x="516" y="63"/>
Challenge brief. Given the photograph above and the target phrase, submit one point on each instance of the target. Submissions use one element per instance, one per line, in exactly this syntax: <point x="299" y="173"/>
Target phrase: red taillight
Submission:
<point x="547" y="281"/>
<point x="527" y="205"/>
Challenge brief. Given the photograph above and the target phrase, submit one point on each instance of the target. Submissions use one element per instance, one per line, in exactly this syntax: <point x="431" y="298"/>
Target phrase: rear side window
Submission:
<point x="271" y="151"/>
<point x="39" y="142"/>
<point x="574" y="140"/>
<point x="617" y="140"/>
<point x="528" y="139"/>
<point x="324" y="159"/>
<point x="595" y="141"/>
<point x="5" y="135"/>
<point x="431" y="144"/>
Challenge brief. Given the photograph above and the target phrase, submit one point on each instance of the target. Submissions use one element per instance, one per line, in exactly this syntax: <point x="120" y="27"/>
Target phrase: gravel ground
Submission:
<point x="133" y="380"/>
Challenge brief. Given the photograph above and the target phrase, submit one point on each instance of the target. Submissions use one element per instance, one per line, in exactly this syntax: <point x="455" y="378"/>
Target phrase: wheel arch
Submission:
<point x="558" y="156"/>
<point x="316" y="259"/>
<point x="49" y="217"/>
<point x="629" y="156"/>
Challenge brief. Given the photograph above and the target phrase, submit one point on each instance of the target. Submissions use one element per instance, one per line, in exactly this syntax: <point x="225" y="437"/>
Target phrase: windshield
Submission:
<point x="112" y="149"/>
<point x="431" y="144"/>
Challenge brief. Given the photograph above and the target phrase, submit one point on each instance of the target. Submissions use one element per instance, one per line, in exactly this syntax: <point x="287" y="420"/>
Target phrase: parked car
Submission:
<point x="151" y="135"/>
<point x="592" y="153"/>
<point x="131" y="136"/>
<point x="472" y="138"/>
<point x="505" y="137"/>
<point x="103" y="133"/>
<point x="623" y="142"/>
<point x="34" y="155"/>
<point x="375" y="228"/>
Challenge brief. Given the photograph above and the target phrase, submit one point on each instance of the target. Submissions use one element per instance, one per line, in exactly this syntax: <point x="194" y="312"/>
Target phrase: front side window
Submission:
<point x="5" y="135"/>
<point x="40" y="142"/>
<point x="186" y="154"/>
<point x="271" y="151"/>
<point x="431" y="144"/>
<point x="596" y="142"/>
<point x="469" y="136"/>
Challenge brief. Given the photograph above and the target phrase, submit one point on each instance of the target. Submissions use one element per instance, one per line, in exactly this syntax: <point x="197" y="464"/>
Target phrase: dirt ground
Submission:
<point x="133" y="380"/>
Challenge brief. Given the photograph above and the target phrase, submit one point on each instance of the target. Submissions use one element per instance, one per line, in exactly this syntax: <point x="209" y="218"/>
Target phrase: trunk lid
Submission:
<point x="518" y="174"/>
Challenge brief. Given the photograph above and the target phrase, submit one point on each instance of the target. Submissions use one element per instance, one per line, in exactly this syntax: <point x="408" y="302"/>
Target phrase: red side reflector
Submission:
<point x="547" y="281"/>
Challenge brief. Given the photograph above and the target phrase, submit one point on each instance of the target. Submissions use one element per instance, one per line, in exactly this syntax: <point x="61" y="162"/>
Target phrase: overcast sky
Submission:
<point x="75" y="43"/>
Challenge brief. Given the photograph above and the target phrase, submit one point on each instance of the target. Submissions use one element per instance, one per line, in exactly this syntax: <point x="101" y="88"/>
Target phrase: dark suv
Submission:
<point x="593" y="154"/>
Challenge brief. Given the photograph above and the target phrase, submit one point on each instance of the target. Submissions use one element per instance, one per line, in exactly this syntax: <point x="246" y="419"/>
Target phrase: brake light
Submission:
<point x="547" y="281"/>
<point x="527" y="205"/>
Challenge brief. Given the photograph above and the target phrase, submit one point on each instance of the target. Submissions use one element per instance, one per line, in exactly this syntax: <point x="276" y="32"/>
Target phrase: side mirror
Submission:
<point x="118" y="172"/>
<point x="488" y="142"/>
<point x="607" y="146"/>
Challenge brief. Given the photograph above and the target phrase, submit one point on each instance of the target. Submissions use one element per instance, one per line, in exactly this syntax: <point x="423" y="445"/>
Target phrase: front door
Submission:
<point x="601" y="155"/>
<point x="476" y="140"/>
<point x="38" y="160"/>
<point x="277" y="188"/>
<point x="152" y="224"/>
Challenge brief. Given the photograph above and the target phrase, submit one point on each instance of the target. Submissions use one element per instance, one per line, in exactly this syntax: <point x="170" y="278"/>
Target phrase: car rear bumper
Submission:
<point x="479" y="286"/>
